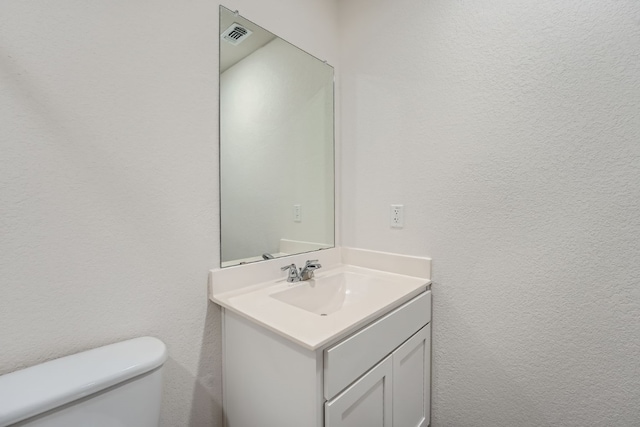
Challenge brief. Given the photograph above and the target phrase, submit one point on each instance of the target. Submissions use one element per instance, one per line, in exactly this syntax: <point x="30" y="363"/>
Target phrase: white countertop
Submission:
<point x="311" y="330"/>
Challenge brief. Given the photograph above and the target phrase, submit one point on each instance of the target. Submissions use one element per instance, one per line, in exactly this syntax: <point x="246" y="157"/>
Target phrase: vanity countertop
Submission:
<point x="341" y="298"/>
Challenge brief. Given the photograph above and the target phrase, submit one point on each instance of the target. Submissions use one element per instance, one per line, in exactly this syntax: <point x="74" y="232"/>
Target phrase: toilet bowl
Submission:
<point x="115" y="385"/>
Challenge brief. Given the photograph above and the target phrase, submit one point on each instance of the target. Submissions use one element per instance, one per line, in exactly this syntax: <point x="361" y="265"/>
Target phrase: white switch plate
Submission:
<point x="297" y="213"/>
<point x="397" y="216"/>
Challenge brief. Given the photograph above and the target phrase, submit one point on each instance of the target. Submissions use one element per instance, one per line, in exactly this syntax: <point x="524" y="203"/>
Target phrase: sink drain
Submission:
<point x="323" y="314"/>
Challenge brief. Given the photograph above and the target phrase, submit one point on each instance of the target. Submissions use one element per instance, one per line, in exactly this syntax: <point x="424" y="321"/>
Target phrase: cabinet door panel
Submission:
<point x="412" y="381"/>
<point x="355" y="355"/>
<point x="367" y="402"/>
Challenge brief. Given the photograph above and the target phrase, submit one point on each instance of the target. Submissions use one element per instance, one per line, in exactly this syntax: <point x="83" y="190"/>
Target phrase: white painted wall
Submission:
<point x="511" y="132"/>
<point x="108" y="179"/>
<point x="508" y="129"/>
<point x="276" y="152"/>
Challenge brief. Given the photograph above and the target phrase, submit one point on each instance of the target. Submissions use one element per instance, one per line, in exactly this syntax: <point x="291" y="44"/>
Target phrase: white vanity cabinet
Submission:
<point x="377" y="375"/>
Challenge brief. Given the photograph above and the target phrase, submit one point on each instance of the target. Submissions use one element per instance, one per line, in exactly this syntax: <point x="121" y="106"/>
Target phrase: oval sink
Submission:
<point x="328" y="294"/>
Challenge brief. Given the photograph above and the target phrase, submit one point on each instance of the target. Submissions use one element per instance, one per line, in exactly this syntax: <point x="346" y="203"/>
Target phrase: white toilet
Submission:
<point x="118" y="385"/>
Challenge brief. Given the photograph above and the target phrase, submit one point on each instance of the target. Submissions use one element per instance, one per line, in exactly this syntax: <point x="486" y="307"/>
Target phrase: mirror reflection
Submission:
<point x="276" y="145"/>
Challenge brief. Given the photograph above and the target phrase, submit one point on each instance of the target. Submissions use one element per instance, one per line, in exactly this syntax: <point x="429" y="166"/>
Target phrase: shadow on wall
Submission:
<point x="205" y="402"/>
<point x="207" y="392"/>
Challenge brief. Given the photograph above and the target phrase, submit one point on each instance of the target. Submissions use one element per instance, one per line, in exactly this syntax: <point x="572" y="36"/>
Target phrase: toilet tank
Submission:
<point x="118" y="385"/>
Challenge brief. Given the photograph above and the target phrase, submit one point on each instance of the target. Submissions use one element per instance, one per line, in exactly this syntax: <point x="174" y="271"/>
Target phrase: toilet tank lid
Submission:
<point x="40" y="388"/>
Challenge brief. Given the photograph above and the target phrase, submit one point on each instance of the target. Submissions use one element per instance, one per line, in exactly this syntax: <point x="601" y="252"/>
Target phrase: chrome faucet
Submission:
<point x="305" y="273"/>
<point x="294" y="275"/>
<point x="310" y="266"/>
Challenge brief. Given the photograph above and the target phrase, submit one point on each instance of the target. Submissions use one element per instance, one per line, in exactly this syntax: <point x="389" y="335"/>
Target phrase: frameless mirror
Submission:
<point x="276" y="145"/>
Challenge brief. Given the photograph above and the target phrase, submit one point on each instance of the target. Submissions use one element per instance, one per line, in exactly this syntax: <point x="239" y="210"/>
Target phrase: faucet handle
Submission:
<point x="287" y="267"/>
<point x="307" y="272"/>
<point x="294" y="275"/>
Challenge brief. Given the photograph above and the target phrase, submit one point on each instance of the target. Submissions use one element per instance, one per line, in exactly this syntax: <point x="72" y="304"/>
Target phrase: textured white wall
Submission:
<point x="108" y="179"/>
<point x="511" y="132"/>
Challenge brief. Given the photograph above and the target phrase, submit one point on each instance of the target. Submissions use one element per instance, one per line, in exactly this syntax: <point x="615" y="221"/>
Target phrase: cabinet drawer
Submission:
<point x="352" y="357"/>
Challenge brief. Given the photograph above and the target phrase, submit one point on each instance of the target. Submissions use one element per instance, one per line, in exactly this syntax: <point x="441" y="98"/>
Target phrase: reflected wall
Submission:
<point x="276" y="154"/>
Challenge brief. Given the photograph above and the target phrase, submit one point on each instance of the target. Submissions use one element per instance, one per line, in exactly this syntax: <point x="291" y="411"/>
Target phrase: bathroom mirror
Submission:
<point x="276" y="146"/>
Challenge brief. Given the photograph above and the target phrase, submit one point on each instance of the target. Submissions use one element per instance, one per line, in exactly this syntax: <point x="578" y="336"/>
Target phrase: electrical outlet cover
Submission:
<point x="397" y="216"/>
<point x="297" y="213"/>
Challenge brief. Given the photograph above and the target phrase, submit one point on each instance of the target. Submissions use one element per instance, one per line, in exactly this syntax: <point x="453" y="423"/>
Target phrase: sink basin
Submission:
<point x="332" y="293"/>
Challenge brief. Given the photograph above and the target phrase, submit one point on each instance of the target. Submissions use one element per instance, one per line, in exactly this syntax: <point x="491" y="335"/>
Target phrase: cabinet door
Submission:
<point x="367" y="402"/>
<point x="412" y="381"/>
